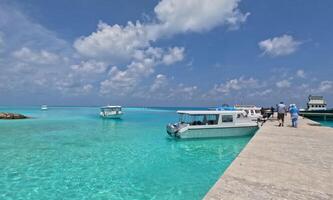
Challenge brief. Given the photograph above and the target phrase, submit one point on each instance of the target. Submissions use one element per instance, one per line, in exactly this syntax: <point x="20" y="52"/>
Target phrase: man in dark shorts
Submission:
<point x="281" y="110"/>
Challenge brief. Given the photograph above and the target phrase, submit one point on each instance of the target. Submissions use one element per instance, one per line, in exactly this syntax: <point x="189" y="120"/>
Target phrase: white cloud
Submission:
<point x="37" y="57"/>
<point x="174" y="55"/>
<point x="21" y="31"/>
<point x="235" y="84"/>
<point x="86" y="89"/>
<point x="113" y="43"/>
<point x="279" y="46"/>
<point x="326" y="86"/>
<point x="283" y="84"/>
<point x="77" y="68"/>
<point x="182" y="92"/>
<point x="261" y="93"/>
<point x="90" y="66"/>
<point x="71" y="84"/>
<point x="304" y="86"/>
<point x="300" y="73"/>
<point x="124" y="82"/>
<point x="159" y="82"/>
<point x="165" y="91"/>
<point x="33" y="59"/>
<point x="197" y="15"/>
<point x="151" y="52"/>
<point x="132" y="44"/>
<point x="161" y="56"/>
<point x="120" y="43"/>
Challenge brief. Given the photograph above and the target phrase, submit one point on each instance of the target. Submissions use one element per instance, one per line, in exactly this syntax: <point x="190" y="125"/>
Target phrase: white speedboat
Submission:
<point x="212" y="123"/>
<point x="252" y="111"/>
<point x="43" y="107"/>
<point x="113" y="112"/>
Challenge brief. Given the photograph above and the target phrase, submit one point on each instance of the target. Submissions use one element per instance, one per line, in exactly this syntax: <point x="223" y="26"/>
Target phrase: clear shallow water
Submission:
<point x="71" y="153"/>
<point x="326" y="123"/>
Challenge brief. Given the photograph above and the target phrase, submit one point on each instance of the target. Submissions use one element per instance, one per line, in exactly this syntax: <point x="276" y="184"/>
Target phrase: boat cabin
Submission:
<point x="43" y="107"/>
<point x="211" y="118"/>
<point x="316" y="103"/>
<point x="111" y="108"/>
<point x="251" y="110"/>
<point x="211" y="123"/>
<point x="111" y="111"/>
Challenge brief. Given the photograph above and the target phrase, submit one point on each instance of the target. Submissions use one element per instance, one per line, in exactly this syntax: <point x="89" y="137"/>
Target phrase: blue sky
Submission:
<point x="165" y="53"/>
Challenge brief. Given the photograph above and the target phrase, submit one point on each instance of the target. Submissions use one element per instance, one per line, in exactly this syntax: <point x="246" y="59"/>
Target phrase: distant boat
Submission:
<point x="43" y="107"/>
<point x="112" y="112"/>
<point x="211" y="123"/>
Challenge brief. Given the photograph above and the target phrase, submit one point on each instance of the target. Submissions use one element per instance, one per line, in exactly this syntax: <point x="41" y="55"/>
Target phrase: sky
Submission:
<point x="165" y="52"/>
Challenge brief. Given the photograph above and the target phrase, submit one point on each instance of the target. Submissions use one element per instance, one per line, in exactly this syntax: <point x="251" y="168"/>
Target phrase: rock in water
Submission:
<point x="12" y="116"/>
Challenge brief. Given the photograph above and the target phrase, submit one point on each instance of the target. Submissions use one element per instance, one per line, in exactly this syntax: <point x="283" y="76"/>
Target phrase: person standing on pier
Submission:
<point x="281" y="111"/>
<point x="294" y="115"/>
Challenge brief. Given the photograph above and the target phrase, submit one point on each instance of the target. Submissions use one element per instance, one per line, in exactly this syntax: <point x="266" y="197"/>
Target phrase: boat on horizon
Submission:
<point x="212" y="123"/>
<point x="112" y="112"/>
<point x="44" y="107"/>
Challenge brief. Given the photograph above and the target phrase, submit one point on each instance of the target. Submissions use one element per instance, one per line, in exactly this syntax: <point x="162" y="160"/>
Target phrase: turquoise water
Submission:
<point x="326" y="123"/>
<point x="71" y="153"/>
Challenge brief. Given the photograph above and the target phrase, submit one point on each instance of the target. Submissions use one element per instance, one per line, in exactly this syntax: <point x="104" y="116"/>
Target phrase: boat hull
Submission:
<point x="216" y="132"/>
<point x="318" y="114"/>
<point x="330" y="111"/>
<point x="115" y="116"/>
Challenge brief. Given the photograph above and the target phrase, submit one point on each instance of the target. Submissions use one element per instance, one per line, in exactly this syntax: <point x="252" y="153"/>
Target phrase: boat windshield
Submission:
<point x="200" y="119"/>
<point x="111" y="109"/>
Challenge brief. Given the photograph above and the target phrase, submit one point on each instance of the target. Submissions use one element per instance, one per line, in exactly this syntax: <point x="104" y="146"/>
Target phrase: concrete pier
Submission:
<point x="281" y="163"/>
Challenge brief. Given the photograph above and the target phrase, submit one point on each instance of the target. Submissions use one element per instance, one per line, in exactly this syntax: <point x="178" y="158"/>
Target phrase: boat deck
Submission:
<point x="281" y="163"/>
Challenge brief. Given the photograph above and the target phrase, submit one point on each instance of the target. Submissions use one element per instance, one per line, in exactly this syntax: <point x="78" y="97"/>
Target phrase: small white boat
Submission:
<point x="43" y="107"/>
<point x="252" y="111"/>
<point x="113" y="112"/>
<point x="212" y="123"/>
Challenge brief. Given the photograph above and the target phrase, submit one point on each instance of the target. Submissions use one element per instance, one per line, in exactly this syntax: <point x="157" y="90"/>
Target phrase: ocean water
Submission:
<point x="71" y="153"/>
<point x="328" y="123"/>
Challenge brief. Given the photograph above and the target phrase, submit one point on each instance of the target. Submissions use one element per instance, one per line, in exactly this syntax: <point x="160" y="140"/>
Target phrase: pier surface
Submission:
<point x="281" y="163"/>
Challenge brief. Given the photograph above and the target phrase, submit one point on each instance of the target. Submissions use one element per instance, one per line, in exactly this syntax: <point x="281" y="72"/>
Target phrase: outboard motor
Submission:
<point x="173" y="129"/>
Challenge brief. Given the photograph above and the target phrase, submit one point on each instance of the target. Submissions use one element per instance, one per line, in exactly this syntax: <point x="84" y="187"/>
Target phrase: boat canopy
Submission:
<point x="113" y="108"/>
<point x="209" y="117"/>
<point x="225" y="108"/>
<point x="207" y="112"/>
